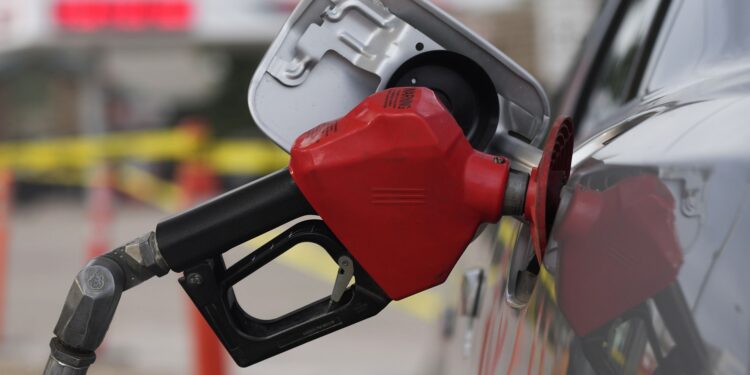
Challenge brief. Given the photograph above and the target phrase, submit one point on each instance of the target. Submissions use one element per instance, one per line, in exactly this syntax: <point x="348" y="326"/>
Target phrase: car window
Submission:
<point x="614" y="82"/>
<point x="706" y="36"/>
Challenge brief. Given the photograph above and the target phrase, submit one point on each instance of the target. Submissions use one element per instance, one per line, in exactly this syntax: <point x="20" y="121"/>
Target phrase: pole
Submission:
<point x="6" y="198"/>
<point x="197" y="183"/>
<point x="93" y="121"/>
<point x="100" y="197"/>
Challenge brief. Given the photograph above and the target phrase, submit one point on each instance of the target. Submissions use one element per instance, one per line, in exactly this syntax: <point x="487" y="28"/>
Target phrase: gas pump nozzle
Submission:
<point x="400" y="192"/>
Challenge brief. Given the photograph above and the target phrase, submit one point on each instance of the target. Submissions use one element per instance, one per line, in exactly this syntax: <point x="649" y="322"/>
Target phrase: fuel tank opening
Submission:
<point x="462" y="86"/>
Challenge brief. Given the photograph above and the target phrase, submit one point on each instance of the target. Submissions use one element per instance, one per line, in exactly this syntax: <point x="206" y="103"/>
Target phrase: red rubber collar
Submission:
<point x="546" y="182"/>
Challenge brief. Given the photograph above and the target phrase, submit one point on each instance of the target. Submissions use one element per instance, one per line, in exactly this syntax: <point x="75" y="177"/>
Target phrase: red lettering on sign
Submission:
<point x="125" y="15"/>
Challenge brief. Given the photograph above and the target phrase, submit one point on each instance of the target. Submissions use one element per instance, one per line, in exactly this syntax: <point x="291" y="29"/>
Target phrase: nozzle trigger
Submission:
<point x="343" y="277"/>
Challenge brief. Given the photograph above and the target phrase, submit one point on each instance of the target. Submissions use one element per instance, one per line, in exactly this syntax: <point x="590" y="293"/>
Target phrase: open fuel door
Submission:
<point x="332" y="54"/>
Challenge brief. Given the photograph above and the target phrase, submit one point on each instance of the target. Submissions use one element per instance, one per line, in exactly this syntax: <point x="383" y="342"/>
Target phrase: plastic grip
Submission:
<point x="230" y="219"/>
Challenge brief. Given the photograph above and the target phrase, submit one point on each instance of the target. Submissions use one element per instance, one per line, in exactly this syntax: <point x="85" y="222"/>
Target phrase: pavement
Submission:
<point x="150" y="333"/>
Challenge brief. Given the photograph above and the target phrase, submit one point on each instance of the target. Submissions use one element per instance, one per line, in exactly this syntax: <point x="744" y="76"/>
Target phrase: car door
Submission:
<point x="644" y="135"/>
<point x="517" y="327"/>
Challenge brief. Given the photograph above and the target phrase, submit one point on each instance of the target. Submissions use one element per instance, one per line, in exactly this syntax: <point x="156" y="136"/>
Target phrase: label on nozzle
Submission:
<point x="400" y="98"/>
<point x="316" y="134"/>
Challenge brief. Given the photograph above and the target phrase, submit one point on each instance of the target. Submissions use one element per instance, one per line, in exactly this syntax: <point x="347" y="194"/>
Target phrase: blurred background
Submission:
<point x="116" y="113"/>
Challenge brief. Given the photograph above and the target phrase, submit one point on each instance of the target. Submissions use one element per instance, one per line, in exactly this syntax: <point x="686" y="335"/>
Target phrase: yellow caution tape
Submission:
<point x="234" y="157"/>
<point x="246" y="157"/>
<point x="146" y="187"/>
<point x="81" y="153"/>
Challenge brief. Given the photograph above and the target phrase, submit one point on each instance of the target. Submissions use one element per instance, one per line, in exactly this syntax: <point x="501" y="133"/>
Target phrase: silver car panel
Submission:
<point x="331" y="54"/>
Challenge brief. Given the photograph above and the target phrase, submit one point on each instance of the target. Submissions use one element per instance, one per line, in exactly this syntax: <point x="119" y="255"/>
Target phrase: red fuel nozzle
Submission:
<point x="400" y="186"/>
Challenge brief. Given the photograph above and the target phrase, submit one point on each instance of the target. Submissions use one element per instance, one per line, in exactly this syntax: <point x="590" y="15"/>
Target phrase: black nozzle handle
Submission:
<point x="250" y="340"/>
<point x="230" y="219"/>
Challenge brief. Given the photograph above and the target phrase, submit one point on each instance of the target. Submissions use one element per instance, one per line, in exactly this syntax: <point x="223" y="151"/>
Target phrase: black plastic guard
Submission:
<point x="250" y="340"/>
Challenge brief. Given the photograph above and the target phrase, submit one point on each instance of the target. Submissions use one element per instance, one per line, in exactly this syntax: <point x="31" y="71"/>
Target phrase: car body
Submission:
<point x="646" y="270"/>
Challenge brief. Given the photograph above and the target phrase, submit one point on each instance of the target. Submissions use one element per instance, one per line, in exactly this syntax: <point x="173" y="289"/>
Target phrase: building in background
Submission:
<point x="89" y="66"/>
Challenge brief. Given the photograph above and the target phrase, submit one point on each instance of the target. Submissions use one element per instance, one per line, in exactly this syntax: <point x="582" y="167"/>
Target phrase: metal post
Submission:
<point x="6" y="200"/>
<point x="100" y="199"/>
<point x="93" y="121"/>
<point x="198" y="182"/>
